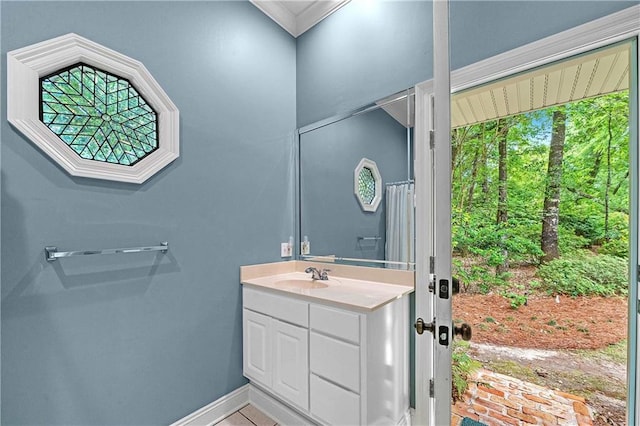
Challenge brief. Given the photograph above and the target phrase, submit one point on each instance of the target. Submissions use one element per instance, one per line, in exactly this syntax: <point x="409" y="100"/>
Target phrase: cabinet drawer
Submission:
<point x="335" y="360"/>
<point x="332" y="404"/>
<point x="284" y="308"/>
<point x="335" y="322"/>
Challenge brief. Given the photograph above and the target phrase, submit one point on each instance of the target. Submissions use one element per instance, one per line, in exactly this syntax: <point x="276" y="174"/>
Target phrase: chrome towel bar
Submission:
<point x="376" y="238"/>
<point x="52" y="253"/>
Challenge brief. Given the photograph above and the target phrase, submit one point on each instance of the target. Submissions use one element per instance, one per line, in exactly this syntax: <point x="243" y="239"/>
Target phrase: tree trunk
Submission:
<point x="550" y="212"/>
<point x="458" y="137"/>
<point x="608" y="186"/>
<point x="597" y="160"/>
<point x="502" y="215"/>
<point x="485" y="174"/>
<point x="474" y="176"/>
<point x="623" y="180"/>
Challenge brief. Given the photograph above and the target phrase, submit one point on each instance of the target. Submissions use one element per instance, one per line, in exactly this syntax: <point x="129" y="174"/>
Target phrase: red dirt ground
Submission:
<point x="574" y="323"/>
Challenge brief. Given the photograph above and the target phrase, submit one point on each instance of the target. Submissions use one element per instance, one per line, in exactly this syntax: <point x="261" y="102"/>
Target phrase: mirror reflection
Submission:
<point x="334" y="225"/>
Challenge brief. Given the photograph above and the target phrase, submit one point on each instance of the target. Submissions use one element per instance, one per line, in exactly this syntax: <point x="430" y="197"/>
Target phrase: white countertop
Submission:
<point x="345" y="292"/>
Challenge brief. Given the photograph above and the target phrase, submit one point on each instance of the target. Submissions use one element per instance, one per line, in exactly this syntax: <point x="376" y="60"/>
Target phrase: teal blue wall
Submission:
<point x="145" y="339"/>
<point x="363" y="52"/>
<point x="481" y="29"/>
<point x="370" y="49"/>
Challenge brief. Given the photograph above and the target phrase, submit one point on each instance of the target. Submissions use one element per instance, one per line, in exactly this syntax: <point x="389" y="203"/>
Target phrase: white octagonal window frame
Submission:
<point x="368" y="206"/>
<point x="25" y="66"/>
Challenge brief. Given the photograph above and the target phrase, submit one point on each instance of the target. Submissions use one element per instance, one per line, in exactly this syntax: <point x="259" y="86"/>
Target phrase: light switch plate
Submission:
<point x="285" y="250"/>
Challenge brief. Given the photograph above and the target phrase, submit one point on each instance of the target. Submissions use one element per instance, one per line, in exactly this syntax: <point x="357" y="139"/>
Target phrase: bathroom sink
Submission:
<point x="307" y="284"/>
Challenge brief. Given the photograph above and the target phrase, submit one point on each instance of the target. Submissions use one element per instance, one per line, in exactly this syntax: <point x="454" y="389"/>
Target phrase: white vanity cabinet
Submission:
<point x="332" y="365"/>
<point x="276" y="345"/>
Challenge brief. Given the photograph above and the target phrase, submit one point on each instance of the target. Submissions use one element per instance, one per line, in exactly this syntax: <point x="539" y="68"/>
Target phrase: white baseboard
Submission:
<point x="212" y="413"/>
<point x="275" y="409"/>
<point x="217" y="410"/>
<point x="407" y="419"/>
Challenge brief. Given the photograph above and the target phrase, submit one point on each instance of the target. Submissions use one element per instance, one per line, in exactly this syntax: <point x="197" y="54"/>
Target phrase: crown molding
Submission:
<point x="294" y="24"/>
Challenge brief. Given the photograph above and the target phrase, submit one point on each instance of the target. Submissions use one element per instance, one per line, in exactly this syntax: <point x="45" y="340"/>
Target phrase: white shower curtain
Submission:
<point x="400" y="235"/>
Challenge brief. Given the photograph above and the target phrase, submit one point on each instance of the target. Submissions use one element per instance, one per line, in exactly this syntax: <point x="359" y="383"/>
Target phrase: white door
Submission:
<point x="256" y="347"/>
<point x="633" y="362"/>
<point x="290" y="366"/>
<point x="433" y="274"/>
<point x="433" y="226"/>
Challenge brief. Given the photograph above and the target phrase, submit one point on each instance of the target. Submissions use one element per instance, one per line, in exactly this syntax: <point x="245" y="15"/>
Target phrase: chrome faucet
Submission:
<point x="318" y="274"/>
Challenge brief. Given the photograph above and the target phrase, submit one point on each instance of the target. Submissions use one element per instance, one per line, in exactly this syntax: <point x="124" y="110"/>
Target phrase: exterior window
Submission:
<point x="98" y="115"/>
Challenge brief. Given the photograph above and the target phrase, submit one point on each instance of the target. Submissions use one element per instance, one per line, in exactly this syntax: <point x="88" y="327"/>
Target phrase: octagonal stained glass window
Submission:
<point x="99" y="115"/>
<point x="366" y="185"/>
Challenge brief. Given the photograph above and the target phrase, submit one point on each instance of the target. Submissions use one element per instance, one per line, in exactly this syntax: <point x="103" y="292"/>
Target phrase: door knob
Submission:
<point x="422" y="326"/>
<point x="463" y="331"/>
<point x="455" y="285"/>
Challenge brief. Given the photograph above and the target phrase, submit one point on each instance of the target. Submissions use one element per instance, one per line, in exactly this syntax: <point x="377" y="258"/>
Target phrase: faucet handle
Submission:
<point x="323" y="274"/>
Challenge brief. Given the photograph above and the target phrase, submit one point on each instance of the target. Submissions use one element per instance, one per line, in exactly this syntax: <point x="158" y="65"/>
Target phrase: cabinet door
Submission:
<point x="290" y="363"/>
<point x="256" y="354"/>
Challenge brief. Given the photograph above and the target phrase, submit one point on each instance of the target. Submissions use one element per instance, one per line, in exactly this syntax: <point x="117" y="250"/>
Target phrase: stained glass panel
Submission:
<point x="100" y="116"/>
<point x="366" y="185"/>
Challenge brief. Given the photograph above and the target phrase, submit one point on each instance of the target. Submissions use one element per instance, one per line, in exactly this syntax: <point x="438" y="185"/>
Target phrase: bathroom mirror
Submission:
<point x="337" y="224"/>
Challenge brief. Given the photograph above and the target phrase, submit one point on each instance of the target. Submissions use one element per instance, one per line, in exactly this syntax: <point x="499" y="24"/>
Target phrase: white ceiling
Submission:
<point x="584" y="76"/>
<point x="297" y="16"/>
<point x="593" y="74"/>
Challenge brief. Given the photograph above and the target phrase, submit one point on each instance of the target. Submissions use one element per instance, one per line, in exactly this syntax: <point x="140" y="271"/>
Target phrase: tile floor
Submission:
<point x="247" y="416"/>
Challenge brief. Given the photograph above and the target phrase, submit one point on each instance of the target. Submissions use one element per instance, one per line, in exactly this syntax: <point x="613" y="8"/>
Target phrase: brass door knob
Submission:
<point x="463" y="331"/>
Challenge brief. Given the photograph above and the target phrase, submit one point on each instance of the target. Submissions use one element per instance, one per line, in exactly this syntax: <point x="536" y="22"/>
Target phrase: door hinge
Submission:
<point x="432" y="139"/>
<point x="431" y="388"/>
<point x="432" y="275"/>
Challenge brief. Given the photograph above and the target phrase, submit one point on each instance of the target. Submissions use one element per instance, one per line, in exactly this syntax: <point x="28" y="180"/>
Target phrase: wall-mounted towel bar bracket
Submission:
<point x="52" y="253"/>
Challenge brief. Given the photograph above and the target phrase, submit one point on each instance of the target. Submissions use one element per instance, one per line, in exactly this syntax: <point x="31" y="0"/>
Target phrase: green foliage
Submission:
<point x="515" y="299"/>
<point x="462" y="366"/>
<point x="473" y="236"/>
<point x="594" y="197"/>
<point x="570" y="240"/>
<point x="618" y="244"/>
<point x="617" y="247"/>
<point x="477" y="277"/>
<point x="584" y="274"/>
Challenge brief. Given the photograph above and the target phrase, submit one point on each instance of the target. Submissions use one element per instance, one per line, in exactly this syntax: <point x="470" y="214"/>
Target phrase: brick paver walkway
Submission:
<point x="499" y="400"/>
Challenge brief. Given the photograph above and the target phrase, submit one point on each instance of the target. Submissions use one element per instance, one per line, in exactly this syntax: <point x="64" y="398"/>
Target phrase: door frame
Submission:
<point x="617" y="27"/>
